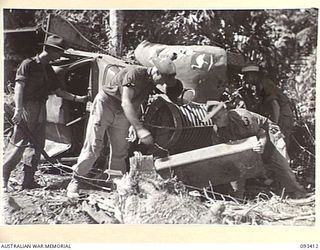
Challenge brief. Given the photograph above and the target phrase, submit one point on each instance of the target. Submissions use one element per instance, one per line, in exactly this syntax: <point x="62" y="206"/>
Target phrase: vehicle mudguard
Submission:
<point x="202" y="68"/>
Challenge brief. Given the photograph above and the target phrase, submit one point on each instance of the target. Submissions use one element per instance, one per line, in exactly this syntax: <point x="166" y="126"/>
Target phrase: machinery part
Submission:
<point x="178" y="128"/>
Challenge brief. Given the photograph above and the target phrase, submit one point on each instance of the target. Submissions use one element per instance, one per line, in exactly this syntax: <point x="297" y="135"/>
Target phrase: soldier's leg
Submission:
<point x="283" y="174"/>
<point x="100" y="118"/>
<point x="35" y="118"/>
<point x="286" y="124"/>
<point x="13" y="154"/>
<point x="119" y="145"/>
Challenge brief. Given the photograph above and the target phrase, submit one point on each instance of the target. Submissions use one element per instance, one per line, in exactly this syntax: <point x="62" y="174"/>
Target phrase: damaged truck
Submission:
<point x="177" y="126"/>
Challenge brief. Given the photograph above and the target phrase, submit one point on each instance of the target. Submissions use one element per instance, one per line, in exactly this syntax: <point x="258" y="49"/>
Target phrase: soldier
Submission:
<point x="271" y="102"/>
<point x="35" y="80"/>
<point x="114" y="108"/>
<point x="240" y="123"/>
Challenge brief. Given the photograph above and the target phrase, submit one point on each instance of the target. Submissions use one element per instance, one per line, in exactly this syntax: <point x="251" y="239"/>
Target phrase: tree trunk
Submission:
<point x="145" y="198"/>
<point x="116" y="26"/>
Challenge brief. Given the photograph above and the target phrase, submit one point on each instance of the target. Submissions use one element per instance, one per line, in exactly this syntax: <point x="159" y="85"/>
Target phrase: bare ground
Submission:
<point x="150" y="201"/>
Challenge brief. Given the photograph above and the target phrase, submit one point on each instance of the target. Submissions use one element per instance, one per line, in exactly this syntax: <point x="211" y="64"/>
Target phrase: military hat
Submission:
<point x="165" y="66"/>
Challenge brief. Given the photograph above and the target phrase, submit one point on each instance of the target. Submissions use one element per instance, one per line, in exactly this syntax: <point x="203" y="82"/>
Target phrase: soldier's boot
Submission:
<point x="5" y="178"/>
<point x="28" y="179"/>
<point x="73" y="188"/>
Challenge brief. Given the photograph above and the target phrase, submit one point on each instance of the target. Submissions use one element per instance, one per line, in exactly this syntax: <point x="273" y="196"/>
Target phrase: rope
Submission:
<point x="83" y="178"/>
<point x="87" y="180"/>
<point x="20" y="146"/>
<point x="303" y="148"/>
<point x="78" y="176"/>
<point x="174" y="128"/>
<point x="309" y="132"/>
<point x="76" y="30"/>
<point x="161" y="148"/>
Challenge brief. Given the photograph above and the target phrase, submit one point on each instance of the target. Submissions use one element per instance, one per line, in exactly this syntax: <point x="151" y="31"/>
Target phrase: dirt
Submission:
<point x="148" y="201"/>
<point x="48" y="205"/>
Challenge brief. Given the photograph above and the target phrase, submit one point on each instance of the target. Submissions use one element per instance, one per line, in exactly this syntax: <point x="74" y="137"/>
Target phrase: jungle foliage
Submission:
<point x="282" y="41"/>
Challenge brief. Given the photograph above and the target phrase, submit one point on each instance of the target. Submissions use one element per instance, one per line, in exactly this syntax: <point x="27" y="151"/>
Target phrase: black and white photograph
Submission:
<point x="159" y="116"/>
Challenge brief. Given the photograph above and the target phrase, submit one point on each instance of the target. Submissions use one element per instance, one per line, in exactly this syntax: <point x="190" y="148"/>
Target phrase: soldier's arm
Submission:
<point x="132" y="115"/>
<point x="20" y="82"/>
<point x="55" y="88"/>
<point x="18" y="98"/>
<point x="271" y="91"/>
<point x="70" y="97"/>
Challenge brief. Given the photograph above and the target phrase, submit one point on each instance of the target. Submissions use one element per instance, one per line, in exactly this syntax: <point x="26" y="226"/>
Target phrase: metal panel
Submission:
<point x="73" y="37"/>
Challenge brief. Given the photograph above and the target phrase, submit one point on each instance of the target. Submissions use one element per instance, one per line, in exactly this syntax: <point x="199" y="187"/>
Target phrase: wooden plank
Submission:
<point x="206" y="153"/>
<point x="218" y="164"/>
